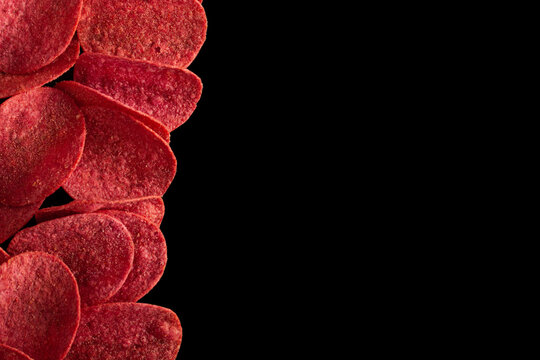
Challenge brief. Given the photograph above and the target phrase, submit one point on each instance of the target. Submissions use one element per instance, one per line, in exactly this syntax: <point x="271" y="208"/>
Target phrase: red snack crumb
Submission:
<point x="149" y="259"/>
<point x="97" y="248"/>
<point x="127" y="331"/>
<point x="41" y="141"/>
<point x="151" y="208"/>
<point x="14" y="218"/>
<point x="35" y="32"/>
<point x="9" y="353"/>
<point x="16" y="84"/>
<point x="85" y="96"/>
<point x="39" y="305"/>
<point x="3" y="256"/>
<point x="166" y="94"/>
<point x="122" y="159"/>
<point x="166" y="32"/>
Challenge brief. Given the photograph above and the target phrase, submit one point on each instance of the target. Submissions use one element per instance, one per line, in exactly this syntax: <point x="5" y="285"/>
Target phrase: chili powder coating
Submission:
<point x="166" y="94"/>
<point x="165" y="32"/>
<point x="39" y="305"/>
<point x="16" y="84"/>
<point x="12" y="219"/>
<point x="97" y="248"/>
<point x="149" y="259"/>
<point x="9" y="353"/>
<point x="85" y="96"/>
<point x="35" y="32"/>
<point x="131" y="331"/>
<point x="42" y="137"/>
<point x="122" y="159"/>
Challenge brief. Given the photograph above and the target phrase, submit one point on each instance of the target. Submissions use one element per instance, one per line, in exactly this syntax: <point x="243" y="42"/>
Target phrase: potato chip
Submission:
<point x="16" y="84"/>
<point x="151" y="208"/>
<point x="121" y="331"/>
<point x="85" y="96"/>
<point x="166" y="32"/>
<point x="122" y="159"/>
<point x="96" y="247"/>
<point x="149" y="259"/>
<point x="42" y="136"/>
<point x="9" y="353"/>
<point x="39" y="305"/>
<point x="33" y="33"/>
<point x="12" y="219"/>
<point x="166" y="94"/>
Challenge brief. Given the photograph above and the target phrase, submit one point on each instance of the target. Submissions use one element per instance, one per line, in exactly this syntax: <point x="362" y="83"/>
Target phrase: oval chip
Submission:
<point x="42" y="136"/>
<point x="33" y="33"/>
<point x="149" y="259"/>
<point x="39" y="305"/>
<point x="96" y="247"/>
<point x="166" y="32"/>
<point x="16" y="84"/>
<point x="122" y="159"/>
<point x="166" y="94"/>
<point x="131" y="331"/>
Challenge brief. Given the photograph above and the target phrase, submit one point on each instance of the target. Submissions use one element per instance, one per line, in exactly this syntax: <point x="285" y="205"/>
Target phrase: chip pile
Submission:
<point x="70" y="285"/>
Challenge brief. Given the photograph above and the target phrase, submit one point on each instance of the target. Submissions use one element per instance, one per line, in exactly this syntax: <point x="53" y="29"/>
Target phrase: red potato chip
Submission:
<point x="97" y="248"/>
<point x="33" y="33"/>
<point x="151" y="208"/>
<point x="149" y="259"/>
<point x="9" y="353"/>
<point x="165" y="32"/>
<point x="122" y="159"/>
<point x="131" y="331"/>
<point x="16" y="84"/>
<point x="3" y="256"/>
<point x="42" y="136"/>
<point x="12" y="219"/>
<point x="72" y="208"/>
<point x="85" y="96"/>
<point x="166" y="94"/>
<point x="39" y="305"/>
